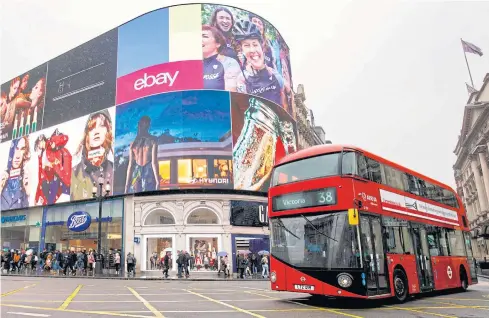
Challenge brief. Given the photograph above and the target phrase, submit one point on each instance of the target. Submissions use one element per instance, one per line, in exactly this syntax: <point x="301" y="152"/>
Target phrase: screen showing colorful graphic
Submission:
<point x="174" y="140"/>
<point x="143" y="42"/>
<point x="243" y="52"/>
<point x="190" y="96"/>
<point x="82" y="81"/>
<point x="263" y="133"/>
<point x="59" y="164"/>
<point x="22" y="104"/>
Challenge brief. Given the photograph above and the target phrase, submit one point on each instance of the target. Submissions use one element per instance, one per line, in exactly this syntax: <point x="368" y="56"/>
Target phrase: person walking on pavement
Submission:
<point x="117" y="263"/>
<point x="67" y="262"/>
<point x="242" y="265"/>
<point x="264" y="265"/>
<point x="91" y="262"/>
<point x="180" y="263"/>
<point x="166" y="264"/>
<point x="131" y="264"/>
<point x="187" y="264"/>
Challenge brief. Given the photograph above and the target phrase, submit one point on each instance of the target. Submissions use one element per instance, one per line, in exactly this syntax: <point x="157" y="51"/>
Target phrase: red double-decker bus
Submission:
<point x="347" y="223"/>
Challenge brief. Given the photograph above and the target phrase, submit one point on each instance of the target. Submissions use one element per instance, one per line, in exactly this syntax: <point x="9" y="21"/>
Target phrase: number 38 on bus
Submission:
<point x="347" y="223"/>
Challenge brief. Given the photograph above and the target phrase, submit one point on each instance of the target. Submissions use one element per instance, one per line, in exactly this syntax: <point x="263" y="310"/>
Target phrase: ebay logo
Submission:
<point x="159" y="79"/>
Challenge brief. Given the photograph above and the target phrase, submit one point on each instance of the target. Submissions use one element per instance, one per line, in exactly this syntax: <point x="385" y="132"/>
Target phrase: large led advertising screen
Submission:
<point x="59" y="163"/>
<point x="174" y="140"/>
<point x="185" y="97"/>
<point x="243" y="52"/>
<point x="82" y="80"/>
<point x="22" y="103"/>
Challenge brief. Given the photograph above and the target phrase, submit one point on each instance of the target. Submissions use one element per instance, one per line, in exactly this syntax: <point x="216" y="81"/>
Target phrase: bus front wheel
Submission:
<point x="400" y="286"/>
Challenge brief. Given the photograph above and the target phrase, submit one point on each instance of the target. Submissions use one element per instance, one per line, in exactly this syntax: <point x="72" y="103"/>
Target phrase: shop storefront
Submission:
<point x="20" y="229"/>
<point x="75" y="226"/>
<point x="197" y="223"/>
<point x="245" y="214"/>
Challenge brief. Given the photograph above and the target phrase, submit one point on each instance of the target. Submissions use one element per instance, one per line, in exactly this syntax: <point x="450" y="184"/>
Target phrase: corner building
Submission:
<point x="472" y="168"/>
<point x="183" y="123"/>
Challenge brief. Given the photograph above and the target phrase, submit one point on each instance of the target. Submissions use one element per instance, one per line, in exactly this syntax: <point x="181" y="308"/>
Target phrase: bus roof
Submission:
<point x="325" y="149"/>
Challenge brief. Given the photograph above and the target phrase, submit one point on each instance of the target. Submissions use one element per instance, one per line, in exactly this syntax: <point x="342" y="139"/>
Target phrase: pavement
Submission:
<point x="81" y="297"/>
<point x="141" y="276"/>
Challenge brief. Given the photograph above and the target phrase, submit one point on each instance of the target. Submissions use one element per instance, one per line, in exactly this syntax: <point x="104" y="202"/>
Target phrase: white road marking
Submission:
<point x="27" y="314"/>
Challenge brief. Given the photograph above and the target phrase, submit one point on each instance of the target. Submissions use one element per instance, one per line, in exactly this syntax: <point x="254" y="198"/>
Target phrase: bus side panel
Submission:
<point x="408" y="263"/>
<point x="279" y="269"/>
<point x="440" y="265"/>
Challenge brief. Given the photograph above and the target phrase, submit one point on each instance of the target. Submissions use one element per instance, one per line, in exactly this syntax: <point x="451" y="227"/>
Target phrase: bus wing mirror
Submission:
<point x="353" y="216"/>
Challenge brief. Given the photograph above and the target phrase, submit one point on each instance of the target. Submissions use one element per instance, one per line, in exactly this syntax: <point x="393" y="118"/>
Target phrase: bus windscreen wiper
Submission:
<point x="285" y="228"/>
<point x="315" y="229"/>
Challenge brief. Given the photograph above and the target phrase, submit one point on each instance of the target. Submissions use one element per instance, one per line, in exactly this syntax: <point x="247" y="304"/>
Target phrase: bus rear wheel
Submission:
<point x="464" y="280"/>
<point x="400" y="286"/>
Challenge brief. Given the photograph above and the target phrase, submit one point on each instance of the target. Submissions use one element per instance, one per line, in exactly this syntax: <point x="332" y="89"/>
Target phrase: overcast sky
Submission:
<point x="387" y="76"/>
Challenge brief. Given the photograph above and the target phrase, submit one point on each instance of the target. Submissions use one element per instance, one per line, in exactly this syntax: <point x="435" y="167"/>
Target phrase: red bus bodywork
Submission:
<point x="445" y="269"/>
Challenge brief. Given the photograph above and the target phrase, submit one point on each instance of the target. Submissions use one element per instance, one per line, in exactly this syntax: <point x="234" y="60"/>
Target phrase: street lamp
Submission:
<point x="98" y="193"/>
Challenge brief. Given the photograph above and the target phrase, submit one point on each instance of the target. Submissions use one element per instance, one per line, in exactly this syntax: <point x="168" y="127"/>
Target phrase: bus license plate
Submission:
<point x="304" y="287"/>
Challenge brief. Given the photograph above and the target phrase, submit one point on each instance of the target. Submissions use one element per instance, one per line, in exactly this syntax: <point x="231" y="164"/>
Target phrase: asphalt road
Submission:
<point x="77" y="297"/>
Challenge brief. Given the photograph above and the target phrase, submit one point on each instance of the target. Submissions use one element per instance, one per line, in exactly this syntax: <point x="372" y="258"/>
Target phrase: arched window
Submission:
<point x="159" y="217"/>
<point x="202" y="216"/>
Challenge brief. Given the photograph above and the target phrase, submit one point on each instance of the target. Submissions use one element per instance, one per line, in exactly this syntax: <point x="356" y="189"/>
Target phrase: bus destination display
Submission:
<point x="307" y="199"/>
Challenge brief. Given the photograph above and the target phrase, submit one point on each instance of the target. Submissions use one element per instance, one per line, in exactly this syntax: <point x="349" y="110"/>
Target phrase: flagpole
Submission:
<point x="467" y="62"/>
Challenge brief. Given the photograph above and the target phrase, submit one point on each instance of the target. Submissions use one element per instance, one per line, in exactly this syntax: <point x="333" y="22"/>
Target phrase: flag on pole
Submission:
<point x="470" y="89"/>
<point x="471" y="48"/>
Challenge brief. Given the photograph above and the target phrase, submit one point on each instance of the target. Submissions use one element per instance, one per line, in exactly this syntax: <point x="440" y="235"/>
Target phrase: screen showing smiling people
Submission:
<point x="243" y="52"/>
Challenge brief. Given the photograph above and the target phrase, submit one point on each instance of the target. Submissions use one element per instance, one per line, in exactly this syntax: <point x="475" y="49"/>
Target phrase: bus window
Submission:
<point x="411" y="184"/>
<point x="349" y="163"/>
<point x="433" y="236"/>
<point x="374" y="170"/>
<point x="393" y="177"/>
<point x="457" y="243"/>
<point x="444" y="246"/>
<point x="398" y="238"/>
<point x="362" y="166"/>
<point x="308" y="168"/>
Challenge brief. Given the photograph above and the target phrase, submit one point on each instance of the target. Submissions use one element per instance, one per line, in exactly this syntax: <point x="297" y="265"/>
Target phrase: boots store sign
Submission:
<point x="79" y="221"/>
<point x="161" y="78"/>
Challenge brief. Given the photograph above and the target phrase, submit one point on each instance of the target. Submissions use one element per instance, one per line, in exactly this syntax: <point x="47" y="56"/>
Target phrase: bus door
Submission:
<point x="421" y="249"/>
<point x="373" y="255"/>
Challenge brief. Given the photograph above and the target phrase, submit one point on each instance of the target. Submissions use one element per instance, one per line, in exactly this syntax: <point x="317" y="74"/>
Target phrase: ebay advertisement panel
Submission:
<point x="162" y="78"/>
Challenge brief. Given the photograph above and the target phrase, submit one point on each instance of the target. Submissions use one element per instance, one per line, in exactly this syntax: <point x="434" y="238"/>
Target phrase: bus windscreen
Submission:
<point x="308" y="168"/>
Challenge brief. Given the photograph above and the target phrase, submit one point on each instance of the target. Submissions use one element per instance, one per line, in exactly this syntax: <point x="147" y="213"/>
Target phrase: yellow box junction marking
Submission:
<point x="70" y="298"/>
<point x="17" y="290"/>
<point x="423" y="312"/>
<point x="94" y="312"/>
<point x="225" y="304"/>
<point x="146" y="303"/>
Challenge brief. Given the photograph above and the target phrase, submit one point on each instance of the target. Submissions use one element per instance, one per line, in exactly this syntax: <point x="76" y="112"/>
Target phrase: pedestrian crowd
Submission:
<point x="83" y="263"/>
<point x="68" y="262"/>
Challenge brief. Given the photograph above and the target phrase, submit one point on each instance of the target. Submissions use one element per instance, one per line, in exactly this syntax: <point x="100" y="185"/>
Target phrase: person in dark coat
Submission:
<point x="166" y="264"/>
<point x="242" y="264"/>
<point x="187" y="264"/>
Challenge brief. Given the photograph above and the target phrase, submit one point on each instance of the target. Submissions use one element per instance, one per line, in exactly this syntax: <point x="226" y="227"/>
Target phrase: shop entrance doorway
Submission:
<point x="154" y="249"/>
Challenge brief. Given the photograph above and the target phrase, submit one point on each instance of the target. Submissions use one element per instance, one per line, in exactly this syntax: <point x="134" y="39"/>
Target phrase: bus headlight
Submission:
<point x="273" y="277"/>
<point x="345" y="280"/>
